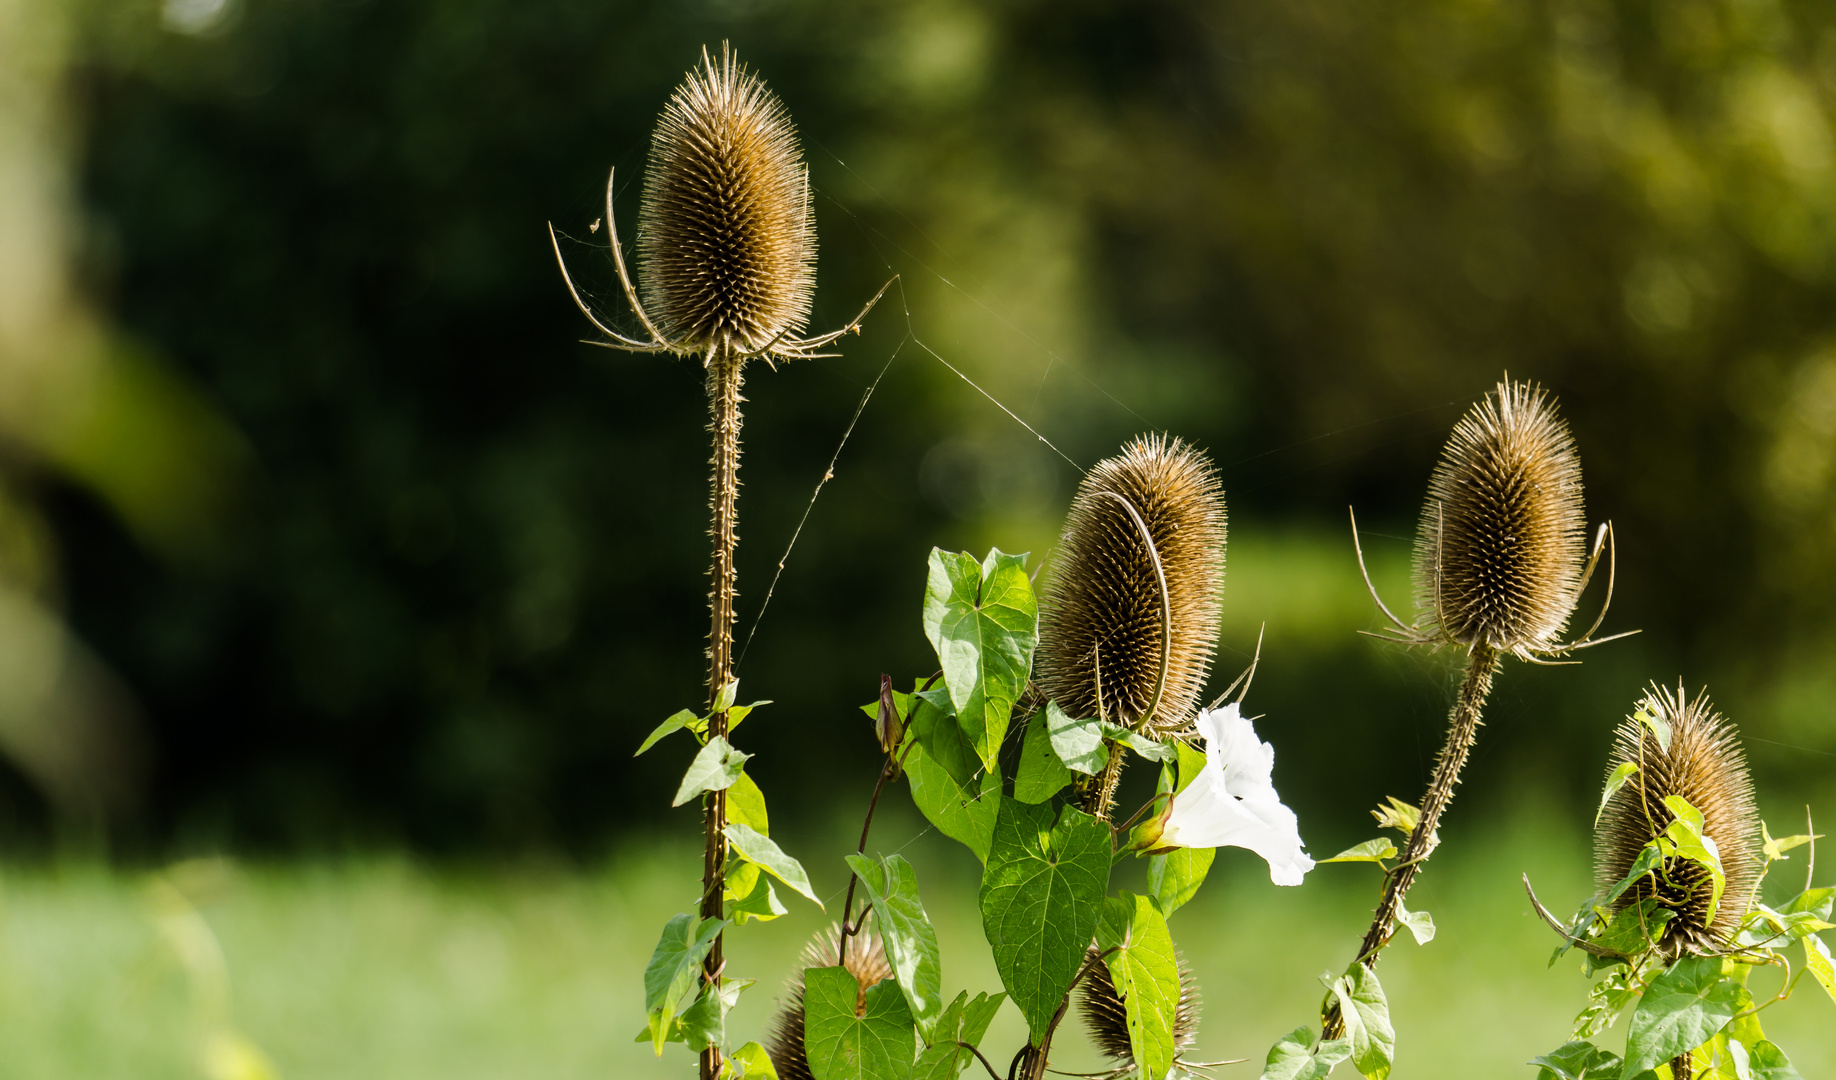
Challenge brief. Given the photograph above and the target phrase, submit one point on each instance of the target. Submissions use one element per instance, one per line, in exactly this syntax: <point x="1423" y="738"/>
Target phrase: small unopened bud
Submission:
<point x="887" y="726"/>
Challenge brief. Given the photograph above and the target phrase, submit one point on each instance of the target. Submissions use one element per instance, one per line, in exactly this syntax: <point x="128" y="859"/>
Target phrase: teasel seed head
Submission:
<point x="1103" y="623"/>
<point x="1705" y="765"/>
<point x="1106" y="1016"/>
<point x="726" y="241"/>
<point x="866" y="962"/>
<point x="1502" y="549"/>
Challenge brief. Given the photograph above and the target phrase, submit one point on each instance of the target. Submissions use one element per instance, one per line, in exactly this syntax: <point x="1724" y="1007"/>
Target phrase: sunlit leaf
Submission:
<point x="1777" y="847"/>
<point x="911" y="943"/>
<point x="673" y="968"/>
<point x="746" y="805"/>
<point x="1369" y="851"/>
<point x="1367" y="1021"/>
<point x="682" y="719"/>
<point x="878" y="1044"/>
<point x="983" y="621"/>
<point x="715" y="768"/>
<point x="1635" y="928"/>
<point x="1420" y="923"/>
<point x="1078" y="743"/>
<point x="1650" y="857"/>
<point x="1817" y="962"/>
<point x="753" y="898"/>
<point x="1041" y="894"/>
<point x="1681" y="1009"/>
<point x="1614" y="781"/>
<point x="1579" y="1060"/>
<point x="1146" y="975"/>
<point x="755" y="847"/>
<point x="728" y="693"/>
<point x="751" y="1062"/>
<point x="1768" y="1062"/>
<point x="964" y="814"/>
<point x="1040" y="774"/>
<point x="1290" y="1059"/>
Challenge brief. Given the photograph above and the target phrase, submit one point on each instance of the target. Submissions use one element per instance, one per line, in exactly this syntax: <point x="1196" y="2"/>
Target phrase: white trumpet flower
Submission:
<point x="1232" y="802"/>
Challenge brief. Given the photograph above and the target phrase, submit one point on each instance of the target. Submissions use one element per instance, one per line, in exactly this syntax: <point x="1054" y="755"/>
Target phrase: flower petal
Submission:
<point x="1232" y="803"/>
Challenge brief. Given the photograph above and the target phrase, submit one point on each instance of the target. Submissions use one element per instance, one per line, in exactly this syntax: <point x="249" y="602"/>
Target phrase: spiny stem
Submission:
<point x="1100" y="797"/>
<point x="724" y="378"/>
<point x="1682" y="1067"/>
<point x="1462" y="730"/>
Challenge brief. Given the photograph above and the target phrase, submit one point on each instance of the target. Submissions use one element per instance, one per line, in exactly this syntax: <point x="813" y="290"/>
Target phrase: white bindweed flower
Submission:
<point x="1232" y="802"/>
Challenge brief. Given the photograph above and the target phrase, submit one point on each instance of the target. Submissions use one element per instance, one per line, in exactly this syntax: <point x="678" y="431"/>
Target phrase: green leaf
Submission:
<point x="1040" y="774"/>
<point x="933" y="726"/>
<point x="1146" y="975"/>
<point x="983" y="621"/>
<point x="911" y="943"/>
<point x="1176" y="876"/>
<point x="1776" y="848"/>
<point x="672" y="970"/>
<point x="739" y="713"/>
<point x="1686" y="838"/>
<point x="1191" y="763"/>
<point x="1369" y="851"/>
<point x="1140" y="744"/>
<point x="1578" y="1061"/>
<point x="751" y="1062"/>
<point x="1682" y="1009"/>
<point x="876" y="1044"/>
<point x="1614" y="781"/>
<point x="965" y="1021"/>
<point x="715" y="768"/>
<point x="1290" y="1059"/>
<point x="1650" y="857"/>
<point x="724" y="700"/>
<point x="758" y="901"/>
<point x="1367" y="1021"/>
<point x="1816" y="901"/>
<point x="1042" y="892"/>
<point x="1635" y="929"/>
<point x="1768" y="1062"/>
<point x="756" y="847"/>
<point x="682" y="719"/>
<point x="1817" y="962"/>
<point x="964" y="814"/>
<point x="1420" y="923"/>
<point x="705" y="1022"/>
<point x="1605" y="1000"/>
<point x="746" y="805"/>
<point x="1651" y="716"/>
<point x="1078" y="743"/>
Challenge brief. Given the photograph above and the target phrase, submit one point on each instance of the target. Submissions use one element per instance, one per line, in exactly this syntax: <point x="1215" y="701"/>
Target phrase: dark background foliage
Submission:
<point x="468" y="572"/>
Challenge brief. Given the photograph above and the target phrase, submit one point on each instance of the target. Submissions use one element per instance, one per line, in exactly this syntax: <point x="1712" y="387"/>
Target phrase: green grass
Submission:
<point x="394" y="969"/>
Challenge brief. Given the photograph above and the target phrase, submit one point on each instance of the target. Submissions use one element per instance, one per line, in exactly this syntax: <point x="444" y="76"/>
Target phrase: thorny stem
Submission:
<point x="1100" y="797"/>
<point x="1681" y="1067"/>
<point x="724" y="378"/>
<point x="1462" y="729"/>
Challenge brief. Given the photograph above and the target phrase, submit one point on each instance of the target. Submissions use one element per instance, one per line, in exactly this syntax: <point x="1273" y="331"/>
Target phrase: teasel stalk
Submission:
<point x="1698" y="756"/>
<point x="866" y="962"/>
<point x="1500" y="560"/>
<point x="1131" y="609"/>
<point x="727" y="250"/>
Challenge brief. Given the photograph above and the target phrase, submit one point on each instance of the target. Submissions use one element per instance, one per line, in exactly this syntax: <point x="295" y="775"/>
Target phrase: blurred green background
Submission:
<point x="326" y="545"/>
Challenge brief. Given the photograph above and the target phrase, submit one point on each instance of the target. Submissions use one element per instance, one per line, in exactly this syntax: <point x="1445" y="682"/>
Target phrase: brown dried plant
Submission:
<point x="727" y="245"/>
<point x="866" y="962"/>
<point x="1129" y="616"/>
<point x="1687" y="749"/>
<point x="1130" y="613"/>
<point x="1500" y="561"/>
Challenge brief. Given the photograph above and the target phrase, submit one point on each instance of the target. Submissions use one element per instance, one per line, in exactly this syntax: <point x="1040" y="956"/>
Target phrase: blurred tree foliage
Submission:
<point x="1306" y="235"/>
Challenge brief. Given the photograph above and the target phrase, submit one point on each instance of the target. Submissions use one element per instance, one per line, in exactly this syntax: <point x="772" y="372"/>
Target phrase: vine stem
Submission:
<point x="723" y="383"/>
<point x="1462" y="730"/>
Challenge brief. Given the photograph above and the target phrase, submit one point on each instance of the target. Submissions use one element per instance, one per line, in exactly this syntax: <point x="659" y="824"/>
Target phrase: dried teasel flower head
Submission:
<point x="726" y="241"/>
<point x="1130" y="614"/>
<point x="1500" y="556"/>
<point x="1681" y="747"/>
<point x="1106" y="1017"/>
<point x="866" y="962"/>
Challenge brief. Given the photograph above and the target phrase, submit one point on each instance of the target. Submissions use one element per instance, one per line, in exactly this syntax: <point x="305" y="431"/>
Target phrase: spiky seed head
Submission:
<point x="1100" y="622"/>
<point x="866" y="962"/>
<point x="1502" y="547"/>
<point x="726" y="242"/>
<point x="1705" y="765"/>
<point x="1106" y="1016"/>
